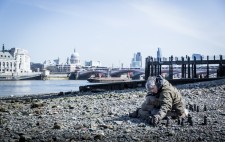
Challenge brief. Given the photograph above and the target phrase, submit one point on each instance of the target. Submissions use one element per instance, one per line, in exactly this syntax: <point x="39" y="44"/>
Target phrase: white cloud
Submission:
<point x="179" y="21"/>
<point x="66" y="7"/>
<point x="165" y="17"/>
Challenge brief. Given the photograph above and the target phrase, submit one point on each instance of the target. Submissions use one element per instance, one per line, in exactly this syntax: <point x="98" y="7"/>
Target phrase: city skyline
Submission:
<point x="112" y="31"/>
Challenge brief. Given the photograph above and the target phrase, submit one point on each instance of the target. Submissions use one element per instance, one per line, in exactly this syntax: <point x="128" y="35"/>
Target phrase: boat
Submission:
<point x="107" y="79"/>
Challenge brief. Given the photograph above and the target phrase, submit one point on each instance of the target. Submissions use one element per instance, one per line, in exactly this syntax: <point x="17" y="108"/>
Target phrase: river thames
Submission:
<point x="30" y="87"/>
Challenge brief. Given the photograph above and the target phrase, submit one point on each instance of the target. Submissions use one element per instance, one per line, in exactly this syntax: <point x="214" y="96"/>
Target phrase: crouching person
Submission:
<point x="162" y="100"/>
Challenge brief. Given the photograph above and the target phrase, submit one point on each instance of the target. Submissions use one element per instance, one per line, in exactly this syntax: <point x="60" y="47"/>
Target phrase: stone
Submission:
<point x="142" y="125"/>
<point x="57" y="126"/>
<point x="127" y="130"/>
<point x="99" y="135"/>
<point x="36" y="105"/>
<point x="3" y="109"/>
<point x="118" y="122"/>
<point x="78" y="126"/>
<point x="171" y="133"/>
<point x="25" y="138"/>
<point x="86" y="136"/>
<point x="71" y="107"/>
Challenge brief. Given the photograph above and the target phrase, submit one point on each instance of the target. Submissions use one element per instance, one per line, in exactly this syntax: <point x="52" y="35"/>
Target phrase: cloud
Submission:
<point x="177" y="20"/>
<point x="66" y="8"/>
<point x="165" y="17"/>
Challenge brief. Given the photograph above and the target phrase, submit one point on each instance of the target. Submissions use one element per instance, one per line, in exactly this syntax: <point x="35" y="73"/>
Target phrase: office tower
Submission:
<point x="136" y="60"/>
<point x="159" y="54"/>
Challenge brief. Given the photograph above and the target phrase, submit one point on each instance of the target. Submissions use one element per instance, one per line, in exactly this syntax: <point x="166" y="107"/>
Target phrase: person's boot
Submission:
<point x="134" y="114"/>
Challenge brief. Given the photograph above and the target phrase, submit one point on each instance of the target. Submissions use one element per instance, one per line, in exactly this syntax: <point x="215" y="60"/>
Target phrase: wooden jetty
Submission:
<point x="153" y="66"/>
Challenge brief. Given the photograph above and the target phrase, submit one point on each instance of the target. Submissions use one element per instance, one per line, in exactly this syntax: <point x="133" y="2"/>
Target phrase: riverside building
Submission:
<point x="14" y="61"/>
<point x="136" y="61"/>
<point x="92" y="63"/>
<point x="72" y="64"/>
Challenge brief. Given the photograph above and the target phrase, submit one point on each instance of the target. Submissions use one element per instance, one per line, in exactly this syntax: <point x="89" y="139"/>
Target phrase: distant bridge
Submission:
<point x="132" y="73"/>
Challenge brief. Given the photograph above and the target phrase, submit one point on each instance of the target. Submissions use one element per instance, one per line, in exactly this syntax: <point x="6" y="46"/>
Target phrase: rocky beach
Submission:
<point x="103" y="116"/>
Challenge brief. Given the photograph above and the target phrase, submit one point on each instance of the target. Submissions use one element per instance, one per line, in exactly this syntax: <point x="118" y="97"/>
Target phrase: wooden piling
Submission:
<point x="188" y="67"/>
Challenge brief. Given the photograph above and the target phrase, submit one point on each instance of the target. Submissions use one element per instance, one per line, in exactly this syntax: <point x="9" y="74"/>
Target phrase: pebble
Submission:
<point x="103" y="116"/>
<point x="118" y="122"/>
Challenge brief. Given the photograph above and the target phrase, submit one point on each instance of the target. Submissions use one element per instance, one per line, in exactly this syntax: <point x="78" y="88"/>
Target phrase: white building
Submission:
<point x="75" y="59"/>
<point x="93" y="64"/>
<point x="48" y="63"/>
<point x="71" y="64"/>
<point x="15" y="60"/>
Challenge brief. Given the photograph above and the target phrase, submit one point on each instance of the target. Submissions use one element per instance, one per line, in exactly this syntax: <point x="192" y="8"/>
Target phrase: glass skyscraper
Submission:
<point x="136" y="60"/>
<point x="159" y="54"/>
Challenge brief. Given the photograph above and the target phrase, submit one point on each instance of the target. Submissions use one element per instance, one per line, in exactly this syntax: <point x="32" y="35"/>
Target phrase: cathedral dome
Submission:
<point x="75" y="55"/>
<point x="75" y="58"/>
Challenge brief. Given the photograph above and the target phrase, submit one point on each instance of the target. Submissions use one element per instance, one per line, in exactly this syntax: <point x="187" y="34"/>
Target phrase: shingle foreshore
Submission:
<point x="103" y="116"/>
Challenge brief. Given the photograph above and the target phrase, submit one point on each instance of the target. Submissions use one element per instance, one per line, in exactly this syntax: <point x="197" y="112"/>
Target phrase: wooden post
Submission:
<point x="195" y="74"/>
<point x="189" y="70"/>
<point x="182" y="67"/>
<point x="171" y="68"/>
<point x="147" y="67"/>
<point x="221" y="67"/>
<point x="152" y="67"/>
<point x="207" y="76"/>
<point x="160" y="67"/>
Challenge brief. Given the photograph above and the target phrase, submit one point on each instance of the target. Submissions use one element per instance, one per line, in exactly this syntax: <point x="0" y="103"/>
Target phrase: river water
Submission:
<point x="30" y="87"/>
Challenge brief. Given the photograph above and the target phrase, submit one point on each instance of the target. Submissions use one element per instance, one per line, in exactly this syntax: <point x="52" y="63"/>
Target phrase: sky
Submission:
<point x="111" y="31"/>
